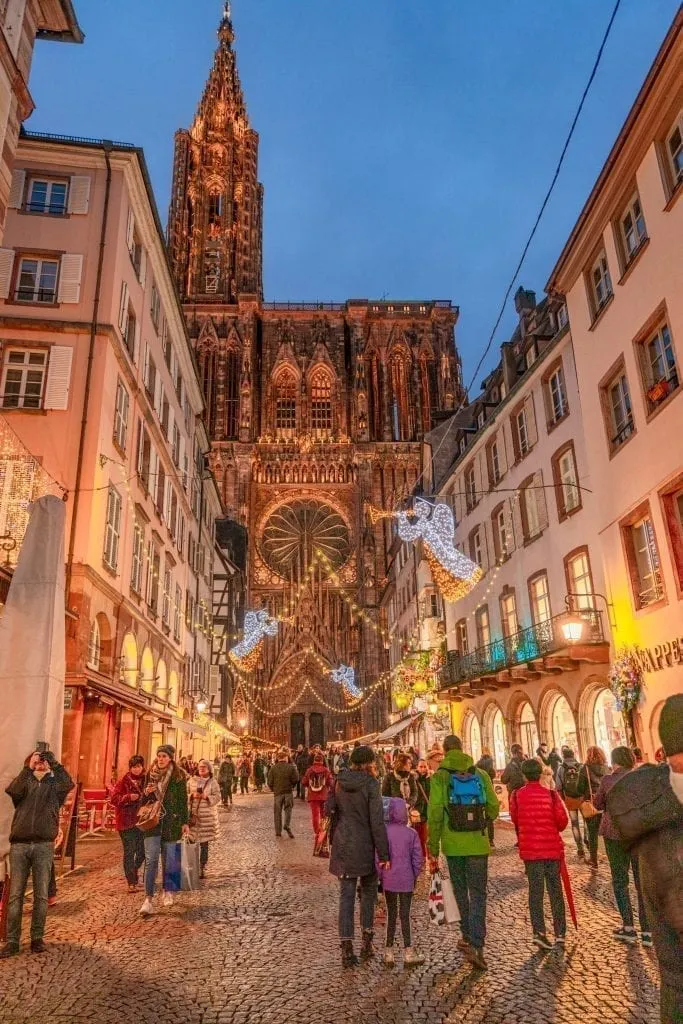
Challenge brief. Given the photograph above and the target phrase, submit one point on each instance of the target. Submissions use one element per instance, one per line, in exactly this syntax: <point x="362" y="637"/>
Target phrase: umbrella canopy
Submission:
<point x="32" y="656"/>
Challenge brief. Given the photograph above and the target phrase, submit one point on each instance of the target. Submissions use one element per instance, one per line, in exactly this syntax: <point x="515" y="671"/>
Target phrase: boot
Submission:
<point x="411" y="958"/>
<point x="367" y="950"/>
<point x="349" y="958"/>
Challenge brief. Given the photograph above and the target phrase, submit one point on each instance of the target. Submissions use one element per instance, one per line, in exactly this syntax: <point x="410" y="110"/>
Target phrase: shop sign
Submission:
<point x="666" y="655"/>
<point x="68" y="698"/>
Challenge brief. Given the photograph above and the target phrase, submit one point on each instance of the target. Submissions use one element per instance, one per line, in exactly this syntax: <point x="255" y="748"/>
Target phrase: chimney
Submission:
<point x="525" y="301"/>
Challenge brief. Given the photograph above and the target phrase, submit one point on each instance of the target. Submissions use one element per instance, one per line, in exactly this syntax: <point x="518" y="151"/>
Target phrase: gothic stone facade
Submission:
<point x="314" y="411"/>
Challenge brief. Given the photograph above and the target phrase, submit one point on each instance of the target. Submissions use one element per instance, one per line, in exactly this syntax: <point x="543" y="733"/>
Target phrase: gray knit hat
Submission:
<point x="166" y="748"/>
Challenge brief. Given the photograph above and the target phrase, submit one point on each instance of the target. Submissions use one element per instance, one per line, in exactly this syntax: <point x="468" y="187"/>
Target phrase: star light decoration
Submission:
<point x="257" y="626"/>
<point x="453" y="573"/>
<point x="345" y="677"/>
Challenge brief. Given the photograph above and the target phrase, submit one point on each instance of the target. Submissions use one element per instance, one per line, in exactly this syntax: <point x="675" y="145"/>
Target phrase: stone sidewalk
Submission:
<point x="258" y="945"/>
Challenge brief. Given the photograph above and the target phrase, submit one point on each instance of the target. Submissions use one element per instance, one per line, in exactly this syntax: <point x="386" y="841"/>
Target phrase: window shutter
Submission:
<point x="6" y="265"/>
<point x="157" y="394"/>
<point x="123" y="308"/>
<point x="143" y="267"/>
<point x="509" y="526"/>
<point x="140" y="447"/>
<point x="16" y="192"/>
<point x="58" y="377"/>
<point x="531" y="430"/>
<point x="79" y="193"/>
<point x="70" y="270"/>
<point x="130" y="230"/>
<point x="145" y="367"/>
<point x="541" y="503"/>
<point x="136" y="342"/>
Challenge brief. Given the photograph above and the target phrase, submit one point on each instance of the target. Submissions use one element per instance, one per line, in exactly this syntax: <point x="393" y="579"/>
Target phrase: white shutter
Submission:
<point x="70" y="270"/>
<point x="143" y="267"/>
<point x="123" y="309"/>
<point x="145" y="367"/>
<point x="214" y="676"/>
<point x="16" y="192"/>
<point x="517" y="524"/>
<point x="130" y="231"/>
<point x="541" y="503"/>
<point x="531" y="430"/>
<point x="157" y="394"/>
<point x="6" y="266"/>
<point x="141" y="438"/>
<point x="509" y="527"/>
<point x="79" y="193"/>
<point x="136" y="342"/>
<point x="58" y="377"/>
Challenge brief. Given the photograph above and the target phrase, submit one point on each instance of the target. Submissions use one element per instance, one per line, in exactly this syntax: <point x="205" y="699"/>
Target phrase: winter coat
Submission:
<point x="539" y="816"/>
<point x="302" y="760"/>
<point x="314" y="796"/>
<point x="175" y="813"/>
<point x="226" y="773"/>
<point x="456" y="844"/>
<point x="259" y="771"/>
<point x="126" y="799"/>
<point x="512" y="778"/>
<point x="405" y="852"/>
<point x="656" y="836"/>
<point x="391" y="786"/>
<point x="282" y="778"/>
<point x="358" y="832"/>
<point x="486" y="764"/>
<point x="205" y="811"/>
<point x="547" y="778"/>
<point x="607" y="829"/>
<point x="571" y="762"/>
<point x="245" y="768"/>
<point x="434" y="758"/>
<point x="36" y="804"/>
<point x="589" y="786"/>
<point x="422" y="783"/>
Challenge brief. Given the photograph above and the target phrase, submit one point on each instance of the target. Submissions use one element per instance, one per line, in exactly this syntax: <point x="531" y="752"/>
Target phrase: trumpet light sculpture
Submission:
<point x="257" y="626"/>
<point x="345" y="676"/>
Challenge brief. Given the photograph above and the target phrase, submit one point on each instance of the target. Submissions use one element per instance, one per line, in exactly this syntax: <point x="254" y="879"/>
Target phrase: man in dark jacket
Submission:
<point x="37" y="793"/>
<point x="512" y="778"/>
<point x="359" y="839"/>
<point x="282" y="778"/>
<point x="646" y="807"/>
<point x="226" y="779"/>
<point x="302" y="760"/>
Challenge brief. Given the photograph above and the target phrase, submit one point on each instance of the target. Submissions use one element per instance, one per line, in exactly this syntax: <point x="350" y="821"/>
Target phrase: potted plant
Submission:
<point x="658" y="391"/>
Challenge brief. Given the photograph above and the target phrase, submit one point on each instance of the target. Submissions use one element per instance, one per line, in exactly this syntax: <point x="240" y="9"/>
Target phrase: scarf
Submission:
<point x="404" y="784"/>
<point x="160" y="778"/>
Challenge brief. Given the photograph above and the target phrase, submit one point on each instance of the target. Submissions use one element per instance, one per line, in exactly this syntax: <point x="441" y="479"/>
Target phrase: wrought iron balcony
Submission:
<point x="523" y="648"/>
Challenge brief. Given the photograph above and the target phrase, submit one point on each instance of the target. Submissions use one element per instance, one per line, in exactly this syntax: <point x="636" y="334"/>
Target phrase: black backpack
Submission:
<point x="570" y="780"/>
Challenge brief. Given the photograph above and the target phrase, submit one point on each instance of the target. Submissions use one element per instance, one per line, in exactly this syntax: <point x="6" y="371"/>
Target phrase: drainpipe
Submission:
<point x="107" y="148"/>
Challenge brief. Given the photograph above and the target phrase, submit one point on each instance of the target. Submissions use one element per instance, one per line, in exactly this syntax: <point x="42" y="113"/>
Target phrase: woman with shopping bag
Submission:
<point x="204" y="796"/>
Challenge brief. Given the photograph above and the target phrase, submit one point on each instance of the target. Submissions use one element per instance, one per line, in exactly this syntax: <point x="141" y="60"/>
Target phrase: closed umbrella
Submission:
<point x="567" y="886"/>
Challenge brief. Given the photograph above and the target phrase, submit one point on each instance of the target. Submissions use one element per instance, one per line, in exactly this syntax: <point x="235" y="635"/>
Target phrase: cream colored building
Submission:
<point x="98" y="382"/>
<point x="513" y="466"/>
<point x="21" y="23"/>
<point x="622" y="273"/>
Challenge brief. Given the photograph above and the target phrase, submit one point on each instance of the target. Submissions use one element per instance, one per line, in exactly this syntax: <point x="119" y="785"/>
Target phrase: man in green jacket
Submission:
<point x="467" y="852"/>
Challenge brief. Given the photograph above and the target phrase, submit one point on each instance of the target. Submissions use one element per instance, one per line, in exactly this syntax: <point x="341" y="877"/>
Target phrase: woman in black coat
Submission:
<point x="358" y="833"/>
<point x="400" y="781"/>
<point x="486" y="764"/>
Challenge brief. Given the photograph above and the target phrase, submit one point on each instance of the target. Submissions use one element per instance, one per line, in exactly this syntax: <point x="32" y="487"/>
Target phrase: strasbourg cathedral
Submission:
<point x="314" y="410"/>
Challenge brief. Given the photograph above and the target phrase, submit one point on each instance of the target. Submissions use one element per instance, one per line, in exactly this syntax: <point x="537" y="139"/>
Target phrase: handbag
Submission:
<point x="150" y="815"/>
<point x="189" y="865"/>
<point x="450" y="905"/>
<point x="437" y="913"/>
<point x="588" y="808"/>
<point x="321" y="844"/>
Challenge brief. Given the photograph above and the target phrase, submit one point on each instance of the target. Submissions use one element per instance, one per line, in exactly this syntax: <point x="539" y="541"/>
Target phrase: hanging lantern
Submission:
<point x="402" y="701"/>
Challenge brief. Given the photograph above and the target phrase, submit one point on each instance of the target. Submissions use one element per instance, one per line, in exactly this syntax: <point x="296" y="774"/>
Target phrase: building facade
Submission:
<point x="524" y="503"/>
<point x="621" y="272"/>
<point x="21" y="23"/>
<point x="314" y="410"/>
<point x="100" y="399"/>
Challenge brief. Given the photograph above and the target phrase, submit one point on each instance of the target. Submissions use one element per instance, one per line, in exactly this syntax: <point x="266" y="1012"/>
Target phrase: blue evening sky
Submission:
<point x="405" y="144"/>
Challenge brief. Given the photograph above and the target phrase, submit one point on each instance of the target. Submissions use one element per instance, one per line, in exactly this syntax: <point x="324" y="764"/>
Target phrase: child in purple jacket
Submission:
<point x="398" y="880"/>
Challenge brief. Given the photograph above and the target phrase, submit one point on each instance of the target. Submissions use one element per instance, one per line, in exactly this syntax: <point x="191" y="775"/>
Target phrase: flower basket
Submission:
<point x="658" y="391"/>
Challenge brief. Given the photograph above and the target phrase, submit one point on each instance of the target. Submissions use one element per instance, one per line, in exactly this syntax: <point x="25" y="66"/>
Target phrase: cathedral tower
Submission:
<point x="313" y="410"/>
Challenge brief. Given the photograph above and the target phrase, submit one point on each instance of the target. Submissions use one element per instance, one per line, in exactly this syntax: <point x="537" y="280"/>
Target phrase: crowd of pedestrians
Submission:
<point x="388" y="815"/>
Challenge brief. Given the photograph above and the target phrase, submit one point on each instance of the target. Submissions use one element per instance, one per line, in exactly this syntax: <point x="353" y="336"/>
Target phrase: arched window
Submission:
<point x="400" y="412"/>
<point x="563" y="726"/>
<point x="285" y="404"/>
<point x="528" y="733"/>
<point x="472" y="734"/>
<point x="232" y="394"/>
<point x="608" y="723"/>
<point x="94" y="646"/>
<point x="321" y="402"/>
<point x="498" y="739"/>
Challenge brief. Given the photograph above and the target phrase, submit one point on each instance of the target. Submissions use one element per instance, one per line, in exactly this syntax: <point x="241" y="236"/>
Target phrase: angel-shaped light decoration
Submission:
<point x="257" y="625"/>
<point x="453" y="573"/>
<point x="345" y="676"/>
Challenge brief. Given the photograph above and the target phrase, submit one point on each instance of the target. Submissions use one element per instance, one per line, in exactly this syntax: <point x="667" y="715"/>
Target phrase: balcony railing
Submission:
<point x="519" y="649"/>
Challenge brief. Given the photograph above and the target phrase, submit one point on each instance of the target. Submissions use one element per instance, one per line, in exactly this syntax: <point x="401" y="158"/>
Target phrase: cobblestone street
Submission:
<point x="259" y="944"/>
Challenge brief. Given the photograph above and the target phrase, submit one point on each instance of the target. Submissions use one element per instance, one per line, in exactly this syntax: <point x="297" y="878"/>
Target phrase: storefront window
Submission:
<point x="563" y="725"/>
<point x="608" y="723"/>
<point x="473" y="738"/>
<point x="528" y="731"/>
<point x="499" y="739"/>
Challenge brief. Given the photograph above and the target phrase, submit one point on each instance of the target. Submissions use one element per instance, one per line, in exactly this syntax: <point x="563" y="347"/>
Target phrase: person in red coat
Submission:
<point x="317" y="782"/>
<point x="539" y="816"/>
<point x="126" y="799"/>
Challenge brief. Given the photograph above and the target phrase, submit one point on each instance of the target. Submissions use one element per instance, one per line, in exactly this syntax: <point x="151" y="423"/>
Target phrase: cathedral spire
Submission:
<point x="215" y="219"/>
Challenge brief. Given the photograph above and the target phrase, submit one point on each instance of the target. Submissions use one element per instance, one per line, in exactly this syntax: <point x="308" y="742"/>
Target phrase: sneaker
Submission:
<point x="51" y="900"/>
<point x="38" y="946"/>
<point x="646" y="938"/>
<point x="146" y="909"/>
<point x="627" y="935"/>
<point x="289" y="833"/>
<point x="9" y="950"/>
<point x="167" y="899"/>
<point x="389" y="959"/>
<point x="542" y="941"/>
<point x="411" y="958"/>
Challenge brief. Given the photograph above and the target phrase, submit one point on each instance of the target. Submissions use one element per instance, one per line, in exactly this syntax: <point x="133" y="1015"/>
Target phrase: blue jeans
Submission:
<point x="347" y="904"/>
<point x="170" y="865"/>
<point x="469" y="876"/>
<point x="26" y="859"/>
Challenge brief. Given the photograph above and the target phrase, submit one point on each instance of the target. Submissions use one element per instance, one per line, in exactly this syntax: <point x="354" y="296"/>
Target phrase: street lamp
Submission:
<point x="432" y="707"/>
<point x="572" y="627"/>
<point x="201" y="704"/>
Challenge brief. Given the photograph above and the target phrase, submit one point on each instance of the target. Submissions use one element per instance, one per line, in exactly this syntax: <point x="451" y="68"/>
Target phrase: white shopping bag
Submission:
<point x="189" y="865"/>
<point x="450" y="905"/>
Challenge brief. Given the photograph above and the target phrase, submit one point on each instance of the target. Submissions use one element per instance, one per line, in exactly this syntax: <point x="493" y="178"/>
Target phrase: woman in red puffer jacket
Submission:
<point x="126" y="799"/>
<point x="540" y="816"/>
